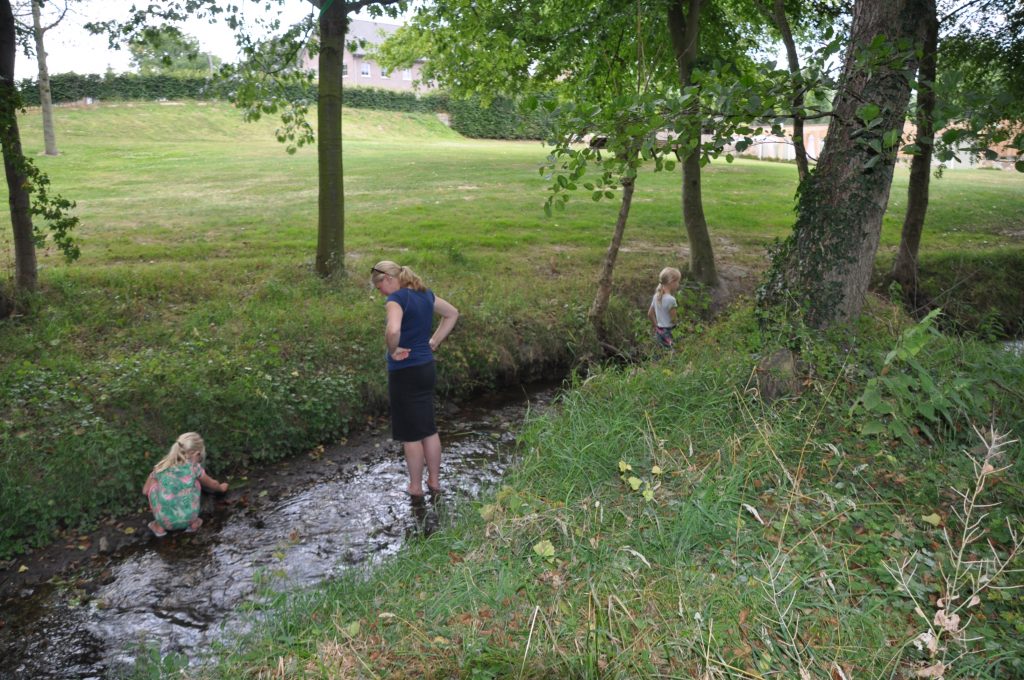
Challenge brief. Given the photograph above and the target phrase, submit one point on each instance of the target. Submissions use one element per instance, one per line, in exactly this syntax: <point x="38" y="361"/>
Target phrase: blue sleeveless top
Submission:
<point x="417" y="325"/>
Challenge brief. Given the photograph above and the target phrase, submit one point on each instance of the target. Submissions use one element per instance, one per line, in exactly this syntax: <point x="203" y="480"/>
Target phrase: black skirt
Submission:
<point x="411" y="396"/>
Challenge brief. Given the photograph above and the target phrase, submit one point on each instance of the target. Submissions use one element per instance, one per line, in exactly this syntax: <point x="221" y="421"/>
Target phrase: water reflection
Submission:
<point x="179" y="594"/>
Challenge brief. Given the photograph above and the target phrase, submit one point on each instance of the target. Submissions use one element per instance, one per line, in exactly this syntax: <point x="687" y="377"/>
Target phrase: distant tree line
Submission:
<point x="499" y="119"/>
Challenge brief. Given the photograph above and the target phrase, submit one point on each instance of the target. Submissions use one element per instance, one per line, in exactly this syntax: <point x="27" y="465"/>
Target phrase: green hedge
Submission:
<point x="394" y="100"/>
<point x="500" y="120"/>
<point x="72" y="87"/>
<point x="469" y="117"/>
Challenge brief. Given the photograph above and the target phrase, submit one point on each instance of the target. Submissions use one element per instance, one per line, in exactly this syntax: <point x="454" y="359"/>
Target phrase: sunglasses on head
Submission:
<point x="374" y="270"/>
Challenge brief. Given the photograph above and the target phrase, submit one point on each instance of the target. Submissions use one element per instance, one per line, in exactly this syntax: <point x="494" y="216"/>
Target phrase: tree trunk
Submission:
<point x="904" y="268"/>
<point x="26" y="270"/>
<point x="684" y="30"/>
<point x="45" y="100"/>
<point x="604" y="282"/>
<point x="779" y="15"/>
<point x="826" y="264"/>
<point x="330" y="247"/>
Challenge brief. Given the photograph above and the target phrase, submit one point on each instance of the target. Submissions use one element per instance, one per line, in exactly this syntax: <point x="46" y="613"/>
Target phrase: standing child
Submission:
<point x="175" y="485"/>
<point x="662" y="311"/>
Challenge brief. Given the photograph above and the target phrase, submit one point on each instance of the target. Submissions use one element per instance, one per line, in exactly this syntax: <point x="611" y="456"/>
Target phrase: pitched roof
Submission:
<point x="372" y="32"/>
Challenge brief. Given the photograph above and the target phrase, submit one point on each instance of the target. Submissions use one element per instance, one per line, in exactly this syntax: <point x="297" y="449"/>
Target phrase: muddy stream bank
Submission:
<point x="87" y="607"/>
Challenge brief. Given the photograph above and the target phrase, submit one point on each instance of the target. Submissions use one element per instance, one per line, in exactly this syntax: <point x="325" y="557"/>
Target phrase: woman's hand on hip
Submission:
<point x="400" y="354"/>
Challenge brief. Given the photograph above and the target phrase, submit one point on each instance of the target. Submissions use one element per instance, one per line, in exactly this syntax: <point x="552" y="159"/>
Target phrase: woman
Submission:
<point x="410" y="308"/>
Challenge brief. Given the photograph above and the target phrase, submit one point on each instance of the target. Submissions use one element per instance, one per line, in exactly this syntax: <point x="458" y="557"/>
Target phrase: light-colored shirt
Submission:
<point x="662" y="309"/>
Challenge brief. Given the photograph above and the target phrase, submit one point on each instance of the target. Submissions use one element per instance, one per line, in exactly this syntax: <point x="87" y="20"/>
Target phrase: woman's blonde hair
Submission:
<point x="181" y="451"/>
<point x="667" y="275"/>
<point x="406" y="277"/>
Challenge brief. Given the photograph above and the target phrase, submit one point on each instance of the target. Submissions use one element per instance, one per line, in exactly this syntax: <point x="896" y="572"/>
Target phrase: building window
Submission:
<point x="364" y="70"/>
<point x="384" y="73"/>
<point x="344" y="70"/>
<point x="407" y="74"/>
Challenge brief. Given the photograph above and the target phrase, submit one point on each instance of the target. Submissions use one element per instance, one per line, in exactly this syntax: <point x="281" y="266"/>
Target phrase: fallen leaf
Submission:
<point x="22" y="569"/>
<point x="936" y="670"/>
<point x="934" y="519"/>
<point x="753" y="511"/>
<point x="948" y="622"/>
<point x="129" y="530"/>
<point x="927" y="640"/>
<point x="634" y="483"/>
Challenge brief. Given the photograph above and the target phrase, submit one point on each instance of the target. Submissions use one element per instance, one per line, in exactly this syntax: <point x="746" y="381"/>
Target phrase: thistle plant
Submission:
<point x="965" y="576"/>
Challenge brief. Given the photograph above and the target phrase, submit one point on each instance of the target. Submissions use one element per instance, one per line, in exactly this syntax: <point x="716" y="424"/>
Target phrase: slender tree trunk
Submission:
<point x="779" y="14"/>
<point x="604" y="281"/>
<point x="330" y="248"/>
<point x="684" y="30"/>
<point x="904" y="268"/>
<point x="45" y="99"/>
<point x="26" y="271"/>
<point x="827" y="262"/>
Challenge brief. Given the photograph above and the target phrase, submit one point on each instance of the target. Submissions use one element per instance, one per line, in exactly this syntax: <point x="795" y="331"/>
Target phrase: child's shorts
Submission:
<point x="664" y="335"/>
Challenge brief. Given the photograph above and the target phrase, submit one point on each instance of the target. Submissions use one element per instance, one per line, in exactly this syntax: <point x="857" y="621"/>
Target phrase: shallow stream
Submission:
<point x="331" y="510"/>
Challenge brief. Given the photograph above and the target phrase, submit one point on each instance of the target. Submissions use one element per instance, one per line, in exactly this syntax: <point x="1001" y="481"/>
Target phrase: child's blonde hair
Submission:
<point x="182" y="450"/>
<point x="667" y="275"/>
<point x="406" y="277"/>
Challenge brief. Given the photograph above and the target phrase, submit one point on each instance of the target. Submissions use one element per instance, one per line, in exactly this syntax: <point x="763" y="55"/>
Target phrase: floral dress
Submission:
<point x="174" y="499"/>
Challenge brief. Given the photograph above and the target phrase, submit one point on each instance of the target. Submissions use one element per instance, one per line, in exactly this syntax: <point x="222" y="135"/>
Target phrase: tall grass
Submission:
<point x="761" y="550"/>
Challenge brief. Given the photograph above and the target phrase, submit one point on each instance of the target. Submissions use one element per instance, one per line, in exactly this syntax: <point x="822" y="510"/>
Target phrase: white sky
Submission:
<point x="69" y="47"/>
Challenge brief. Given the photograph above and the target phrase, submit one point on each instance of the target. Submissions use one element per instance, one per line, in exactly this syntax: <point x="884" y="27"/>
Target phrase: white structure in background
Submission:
<point x="774" y="148"/>
<point x="360" y="71"/>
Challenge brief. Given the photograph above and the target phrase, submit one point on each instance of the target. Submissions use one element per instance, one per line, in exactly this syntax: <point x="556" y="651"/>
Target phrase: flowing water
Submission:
<point x="179" y="594"/>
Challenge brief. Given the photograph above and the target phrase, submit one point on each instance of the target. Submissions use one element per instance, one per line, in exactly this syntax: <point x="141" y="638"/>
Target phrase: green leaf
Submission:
<point x="873" y="427"/>
<point x="868" y="112"/>
<point x="871" y="399"/>
<point x="1019" y="166"/>
<point x="545" y="549"/>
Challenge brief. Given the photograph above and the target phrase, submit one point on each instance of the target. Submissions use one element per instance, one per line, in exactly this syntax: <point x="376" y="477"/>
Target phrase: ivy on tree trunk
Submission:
<point x="825" y="266"/>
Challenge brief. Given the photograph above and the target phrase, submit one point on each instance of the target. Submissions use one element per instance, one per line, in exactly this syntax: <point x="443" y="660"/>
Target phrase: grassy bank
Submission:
<point x="668" y="522"/>
<point x="194" y="305"/>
